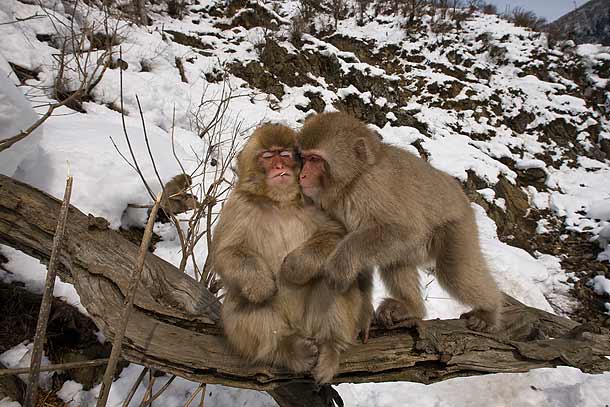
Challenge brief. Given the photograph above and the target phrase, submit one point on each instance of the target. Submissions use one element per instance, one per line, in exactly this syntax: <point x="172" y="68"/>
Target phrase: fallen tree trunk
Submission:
<point x="174" y="324"/>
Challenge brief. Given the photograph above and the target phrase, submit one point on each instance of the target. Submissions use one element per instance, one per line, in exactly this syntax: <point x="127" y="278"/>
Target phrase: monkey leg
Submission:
<point x="261" y="334"/>
<point x="367" y="314"/>
<point x="407" y="306"/>
<point x="463" y="272"/>
<point x="328" y="363"/>
<point x="297" y="352"/>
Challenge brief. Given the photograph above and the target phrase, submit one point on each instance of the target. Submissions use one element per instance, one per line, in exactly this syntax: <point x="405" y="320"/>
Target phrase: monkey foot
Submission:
<point x="364" y="334"/>
<point x="393" y="314"/>
<point x="325" y="370"/>
<point x="481" y="320"/>
<point x="303" y="354"/>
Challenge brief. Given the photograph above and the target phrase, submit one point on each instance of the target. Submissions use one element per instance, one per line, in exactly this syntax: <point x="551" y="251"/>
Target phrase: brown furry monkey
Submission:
<point x="301" y="324"/>
<point x="400" y="213"/>
<point x="176" y="198"/>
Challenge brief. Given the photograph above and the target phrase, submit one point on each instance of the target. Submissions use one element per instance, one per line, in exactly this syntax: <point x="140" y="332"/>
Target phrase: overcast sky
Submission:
<point x="549" y="9"/>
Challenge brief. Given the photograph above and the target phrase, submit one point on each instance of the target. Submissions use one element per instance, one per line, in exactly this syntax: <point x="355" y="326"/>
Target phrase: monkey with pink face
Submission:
<point x="399" y="213"/>
<point x="297" y="322"/>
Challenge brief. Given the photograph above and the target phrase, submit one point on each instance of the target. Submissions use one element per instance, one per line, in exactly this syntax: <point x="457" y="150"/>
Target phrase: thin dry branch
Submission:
<point x="8" y="142"/>
<point x="134" y="387"/>
<point x="55" y="367"/>
<point x="47" y="298"/>
<point x="119" y="333"/>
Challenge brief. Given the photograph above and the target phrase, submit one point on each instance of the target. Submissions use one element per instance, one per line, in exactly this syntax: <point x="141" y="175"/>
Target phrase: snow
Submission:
<point x="20" y="356"/>
<point x="80" y="145"/>
<point x="559" y="387"/>
<point x="16" y="114"/>
<point x="601" y="285"/>
<point x="29" y="271"/>
<point x="179" y="392"/>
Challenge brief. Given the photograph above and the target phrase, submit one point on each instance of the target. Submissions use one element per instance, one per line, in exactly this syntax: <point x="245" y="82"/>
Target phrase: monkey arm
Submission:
<point x="377" y="245"/>
<point x="306" y="262"/>
<point x="244" y="271"/>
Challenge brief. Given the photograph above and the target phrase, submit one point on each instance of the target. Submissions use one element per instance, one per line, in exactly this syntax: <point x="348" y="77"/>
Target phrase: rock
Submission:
<point x="605" y="146"/>
<point x="188" y="40"/>
<point x="520" y="122"/>
<point x="11" y="387"/>
<point x="256" y="75"/>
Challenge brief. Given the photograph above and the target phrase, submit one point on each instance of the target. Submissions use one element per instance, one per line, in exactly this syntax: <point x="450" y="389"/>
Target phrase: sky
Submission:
<point x="549" y="9"/>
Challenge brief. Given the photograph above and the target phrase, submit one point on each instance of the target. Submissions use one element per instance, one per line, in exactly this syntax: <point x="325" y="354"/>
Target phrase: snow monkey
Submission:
<point x="302" y="324"/>
<point x="399" y="213"/>
<point x="176" y="198"/>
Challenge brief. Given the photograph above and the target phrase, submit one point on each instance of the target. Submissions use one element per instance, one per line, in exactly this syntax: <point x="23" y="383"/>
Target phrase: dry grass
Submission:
<point x="49" y="399"/>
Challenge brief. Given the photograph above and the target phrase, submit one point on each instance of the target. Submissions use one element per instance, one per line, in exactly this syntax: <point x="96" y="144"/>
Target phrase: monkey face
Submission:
<point x="312" y="173"/>
<point x="278" y="165"/>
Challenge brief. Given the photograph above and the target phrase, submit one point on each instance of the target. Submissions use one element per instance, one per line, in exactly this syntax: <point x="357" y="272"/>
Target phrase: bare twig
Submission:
<point x="148" y="401"/>
<point x="133" y="157"/>
<point x="55" y="367"/>
<point x="128" y="303"/>
<point x="200" y="389"/>
<point x="47" y="298"/>
<point x="149" y="388"/>
<point x="19" y="20"/>
<point x="134" y="387"/>
<point x="8" y="142"/>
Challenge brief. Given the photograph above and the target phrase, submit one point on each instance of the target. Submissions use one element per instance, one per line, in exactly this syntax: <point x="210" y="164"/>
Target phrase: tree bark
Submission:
<point x="174" y="326"/>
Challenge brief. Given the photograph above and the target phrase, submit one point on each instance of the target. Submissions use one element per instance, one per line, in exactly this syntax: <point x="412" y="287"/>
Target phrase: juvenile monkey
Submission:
<point x="176" y="198"/>
<point x="399" y="212"/>
<point x="301" y="324"/>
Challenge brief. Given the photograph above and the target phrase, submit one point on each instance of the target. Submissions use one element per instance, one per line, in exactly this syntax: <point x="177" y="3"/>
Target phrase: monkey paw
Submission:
<point x="365" y="324"/>
<point x="304" y="354"/>
<point x="339" y="271"/>
<point x="292" y="268"/>
<point x="392" y="313"/>
<point x="482" y="320"/>
<point x="325" y="371"/>
<point x="259" y="289"/>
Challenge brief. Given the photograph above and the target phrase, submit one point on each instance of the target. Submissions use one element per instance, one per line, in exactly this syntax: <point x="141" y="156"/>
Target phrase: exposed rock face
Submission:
<point x="589" y="23"/>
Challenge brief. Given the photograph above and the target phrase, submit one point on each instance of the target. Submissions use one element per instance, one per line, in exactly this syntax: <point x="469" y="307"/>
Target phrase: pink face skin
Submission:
<point x="279" y="166"/>
<point x="311" y="173"/>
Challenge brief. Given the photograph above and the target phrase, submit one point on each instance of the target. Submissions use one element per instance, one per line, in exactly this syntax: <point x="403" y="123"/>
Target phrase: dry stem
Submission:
<point x="47" y="298"/>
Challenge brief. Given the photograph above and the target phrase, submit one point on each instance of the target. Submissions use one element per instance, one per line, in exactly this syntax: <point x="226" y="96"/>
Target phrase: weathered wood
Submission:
<point x="174" y="328"/>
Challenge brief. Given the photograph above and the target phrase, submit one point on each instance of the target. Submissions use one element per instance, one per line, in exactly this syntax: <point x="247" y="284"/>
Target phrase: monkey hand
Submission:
<point x="295" y="268"/>
<point x="259" y="288"/>
<point x="340" y="271"/>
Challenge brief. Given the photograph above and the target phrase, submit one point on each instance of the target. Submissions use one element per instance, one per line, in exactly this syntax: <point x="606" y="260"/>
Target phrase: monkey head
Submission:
<point x="267" y="165"/>
<point x="336" y="148"/>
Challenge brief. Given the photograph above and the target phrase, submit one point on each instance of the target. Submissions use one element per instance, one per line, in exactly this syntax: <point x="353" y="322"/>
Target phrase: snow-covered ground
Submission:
<point x="80" y="144"/>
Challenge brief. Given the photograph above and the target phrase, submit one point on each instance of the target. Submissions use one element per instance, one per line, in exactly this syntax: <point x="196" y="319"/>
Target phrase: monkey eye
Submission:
<point x="268" y="154"/>
<point x="286" y="154"/>
<point x="312" y="158"/>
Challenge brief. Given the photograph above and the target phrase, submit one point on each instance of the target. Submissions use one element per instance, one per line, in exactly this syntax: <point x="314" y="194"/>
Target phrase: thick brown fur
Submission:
<point x="400" y="213"/>
<point x="176" y="197"/>
<point x="302" y="325"/>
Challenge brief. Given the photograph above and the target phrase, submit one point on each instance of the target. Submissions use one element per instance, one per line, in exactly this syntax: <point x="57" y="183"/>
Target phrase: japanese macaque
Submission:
<point x="176" y="197"/>
<point x="400" y="213"/>
<point x="302" y="324"/>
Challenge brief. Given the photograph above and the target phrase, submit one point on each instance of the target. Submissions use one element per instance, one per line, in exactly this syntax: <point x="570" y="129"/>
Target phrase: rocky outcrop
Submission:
<point x="589" y="23"/>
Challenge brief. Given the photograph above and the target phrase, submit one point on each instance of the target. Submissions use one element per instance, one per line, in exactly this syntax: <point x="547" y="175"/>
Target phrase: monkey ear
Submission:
<point x="364" y="152"/>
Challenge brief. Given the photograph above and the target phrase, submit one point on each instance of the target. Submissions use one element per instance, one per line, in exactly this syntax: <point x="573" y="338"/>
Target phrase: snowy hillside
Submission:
<point x="525" y="127"/>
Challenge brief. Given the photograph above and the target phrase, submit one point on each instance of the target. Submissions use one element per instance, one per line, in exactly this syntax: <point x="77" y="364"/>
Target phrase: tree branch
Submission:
<point x="173" y="327"/>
